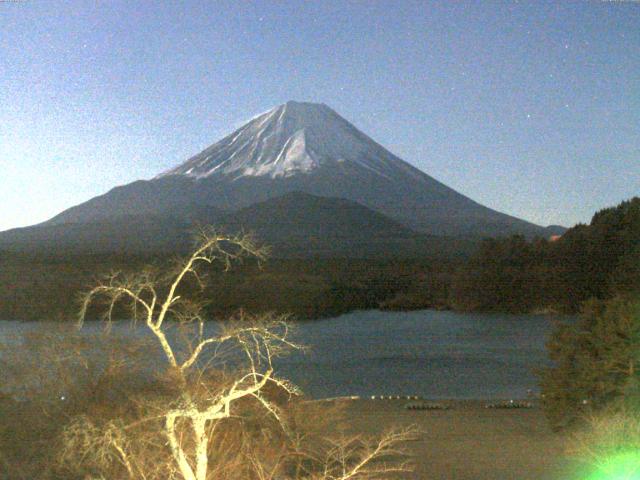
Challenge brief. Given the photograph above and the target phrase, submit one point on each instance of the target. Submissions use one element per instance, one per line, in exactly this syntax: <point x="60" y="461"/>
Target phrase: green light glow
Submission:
<point x="625" y="466"/>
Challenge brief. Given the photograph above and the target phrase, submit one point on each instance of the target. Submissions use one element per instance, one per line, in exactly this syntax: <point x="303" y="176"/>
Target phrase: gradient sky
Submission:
<point x="529" y="108"/>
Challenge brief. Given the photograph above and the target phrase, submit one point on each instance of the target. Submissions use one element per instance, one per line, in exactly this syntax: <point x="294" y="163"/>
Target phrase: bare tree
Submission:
<point x="357" y="458"/>
<point x="190" y="422"/>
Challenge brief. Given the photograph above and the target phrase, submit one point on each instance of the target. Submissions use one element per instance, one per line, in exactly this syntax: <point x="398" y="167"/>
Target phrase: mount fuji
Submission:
<point x="297" y="147"/>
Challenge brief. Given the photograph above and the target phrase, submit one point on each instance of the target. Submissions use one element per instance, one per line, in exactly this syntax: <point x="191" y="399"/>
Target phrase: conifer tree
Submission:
<point x="596" y="360"/>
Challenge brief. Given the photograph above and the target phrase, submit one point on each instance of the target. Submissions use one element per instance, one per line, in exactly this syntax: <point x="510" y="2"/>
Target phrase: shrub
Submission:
<point x="595" y="360"/>
<point x="189" y="405"/>
<point x="608" y="446"/>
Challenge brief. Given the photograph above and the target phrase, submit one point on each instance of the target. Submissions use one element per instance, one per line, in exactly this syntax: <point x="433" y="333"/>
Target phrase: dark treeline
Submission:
<point x="595" y="261"/>
<point x="47" y="287"/>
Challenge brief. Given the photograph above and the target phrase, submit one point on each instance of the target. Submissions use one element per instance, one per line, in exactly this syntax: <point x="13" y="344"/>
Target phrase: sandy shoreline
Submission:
<point x="466" y="441"/>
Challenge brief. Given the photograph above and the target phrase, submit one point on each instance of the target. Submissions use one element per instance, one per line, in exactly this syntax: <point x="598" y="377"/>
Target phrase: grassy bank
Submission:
<point x="468" y="441"/>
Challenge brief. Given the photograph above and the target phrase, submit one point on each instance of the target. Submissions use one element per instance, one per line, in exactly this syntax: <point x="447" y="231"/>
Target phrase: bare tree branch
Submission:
<point x="190" y="420"/>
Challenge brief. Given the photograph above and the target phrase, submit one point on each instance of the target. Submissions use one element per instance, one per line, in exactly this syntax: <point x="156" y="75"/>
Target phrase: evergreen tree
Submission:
<point x="595" y="261"/>
<point x="596" y="360"/>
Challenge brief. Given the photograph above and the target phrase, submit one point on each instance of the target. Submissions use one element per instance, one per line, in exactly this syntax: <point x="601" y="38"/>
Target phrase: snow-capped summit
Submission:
<point x="293" y="138"/>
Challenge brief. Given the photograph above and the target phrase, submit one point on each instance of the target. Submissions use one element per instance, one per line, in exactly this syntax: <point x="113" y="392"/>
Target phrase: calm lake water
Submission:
<point x="428" y="353"/>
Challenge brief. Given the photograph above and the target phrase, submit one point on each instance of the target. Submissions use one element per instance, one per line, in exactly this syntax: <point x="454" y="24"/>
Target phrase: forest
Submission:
<point x="595" y="261"/>
<point x="514" y="274"/>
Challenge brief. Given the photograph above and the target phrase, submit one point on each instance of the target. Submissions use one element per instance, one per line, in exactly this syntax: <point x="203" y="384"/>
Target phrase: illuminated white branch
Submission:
<point x="189" y="418"/>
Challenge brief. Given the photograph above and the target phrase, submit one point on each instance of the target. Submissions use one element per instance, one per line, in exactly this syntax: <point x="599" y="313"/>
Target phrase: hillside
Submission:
<point x="294" y="225"/>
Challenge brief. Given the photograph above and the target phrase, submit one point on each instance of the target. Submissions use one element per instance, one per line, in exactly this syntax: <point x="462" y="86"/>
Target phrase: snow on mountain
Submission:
<point x="290" y="139"/>
<point x="303" y="147"/>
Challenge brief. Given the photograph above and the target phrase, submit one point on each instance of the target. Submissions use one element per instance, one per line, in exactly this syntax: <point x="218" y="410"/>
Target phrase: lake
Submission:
<point x="433" y="354"/>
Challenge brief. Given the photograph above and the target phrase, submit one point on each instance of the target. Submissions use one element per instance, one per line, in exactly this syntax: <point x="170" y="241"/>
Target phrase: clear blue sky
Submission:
<point x="529" y="108"/>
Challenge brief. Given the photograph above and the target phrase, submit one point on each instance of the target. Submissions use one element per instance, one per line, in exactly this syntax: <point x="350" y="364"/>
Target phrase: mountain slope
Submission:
<point x="169" y="231"/>
<point x="295" y="225"/>
<point x="303" y="225"/>
<point x="299" y="215"/>
<point x="308" y="148"/>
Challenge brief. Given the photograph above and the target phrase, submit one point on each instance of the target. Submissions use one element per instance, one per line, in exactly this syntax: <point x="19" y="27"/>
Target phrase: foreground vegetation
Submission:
<point x="596" y="362"/>
<point x="174" y="404"/>
<point x="608" y="446"/>
<point x="592" y="389"/>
